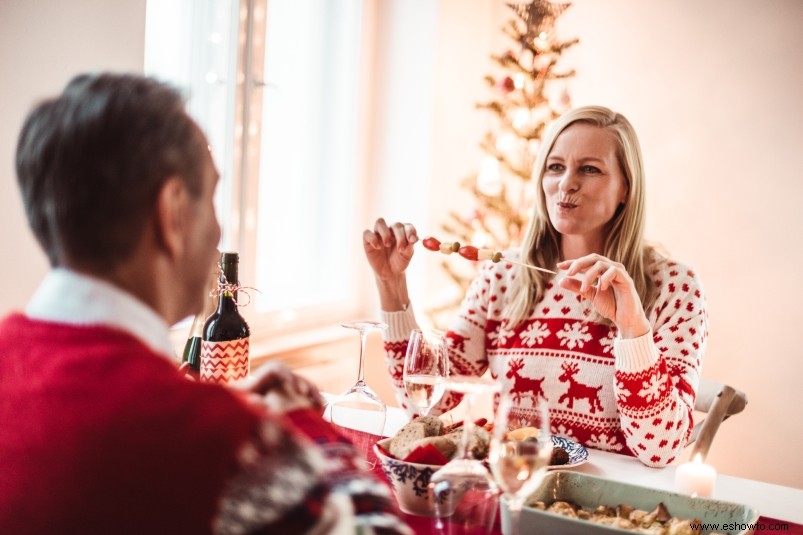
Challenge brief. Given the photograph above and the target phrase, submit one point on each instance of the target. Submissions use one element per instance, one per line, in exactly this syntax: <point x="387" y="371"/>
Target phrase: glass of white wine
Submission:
<point x="426" y="365"/>
<point x="521" y="447"/>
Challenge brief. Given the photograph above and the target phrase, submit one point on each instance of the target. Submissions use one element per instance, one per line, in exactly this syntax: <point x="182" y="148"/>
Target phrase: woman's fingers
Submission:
<point x="371" y="240"/>
<point x="384" y="233"/>
<point x="609" y="276"/>
<point x="412" y="233"/>
<point x="598" y="272"/>
<point x="398" y="235"/>
<point x="404" y="234"/>
<point x="577" y="286"/>
<point x="594" y="269"/>
<point x="401" y="234"/>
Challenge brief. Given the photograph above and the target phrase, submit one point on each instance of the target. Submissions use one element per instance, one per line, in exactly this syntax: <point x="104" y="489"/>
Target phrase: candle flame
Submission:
<point x="698" y="459"/>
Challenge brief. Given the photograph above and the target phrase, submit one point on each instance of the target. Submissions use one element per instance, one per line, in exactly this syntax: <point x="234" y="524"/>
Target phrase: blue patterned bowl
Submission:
<point x="409" y="481"/>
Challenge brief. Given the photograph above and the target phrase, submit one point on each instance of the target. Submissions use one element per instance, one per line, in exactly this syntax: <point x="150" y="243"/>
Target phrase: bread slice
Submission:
<point x="479" y="442"/>
<point x="420" y="428"/>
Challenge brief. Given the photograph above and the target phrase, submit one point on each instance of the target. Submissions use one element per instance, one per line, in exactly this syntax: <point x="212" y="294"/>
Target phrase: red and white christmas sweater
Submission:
<point x="633" y="396"/>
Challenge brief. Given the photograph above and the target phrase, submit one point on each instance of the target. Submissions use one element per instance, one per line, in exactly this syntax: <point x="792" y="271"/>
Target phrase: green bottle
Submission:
<point x="192" y="348"/>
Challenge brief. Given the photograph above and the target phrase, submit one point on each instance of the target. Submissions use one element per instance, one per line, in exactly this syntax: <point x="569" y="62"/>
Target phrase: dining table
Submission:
<point x="780" y="507"/>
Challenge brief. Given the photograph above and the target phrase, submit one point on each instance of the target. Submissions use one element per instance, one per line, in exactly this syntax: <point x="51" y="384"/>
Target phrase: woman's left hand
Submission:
<point x="613" y="296"/>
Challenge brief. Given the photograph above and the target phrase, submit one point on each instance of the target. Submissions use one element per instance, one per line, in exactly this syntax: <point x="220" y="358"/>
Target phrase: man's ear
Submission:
<point x="172" y="206"/>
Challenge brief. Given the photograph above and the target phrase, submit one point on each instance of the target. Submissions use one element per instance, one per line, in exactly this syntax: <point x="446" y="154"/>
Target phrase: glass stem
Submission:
<point x="361" y="369"/>
<point x="514" y="506"/>
<point x="468" y="427"/>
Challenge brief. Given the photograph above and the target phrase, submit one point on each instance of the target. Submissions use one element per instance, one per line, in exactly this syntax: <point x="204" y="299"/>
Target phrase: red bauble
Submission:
<point x="507" y="84"/>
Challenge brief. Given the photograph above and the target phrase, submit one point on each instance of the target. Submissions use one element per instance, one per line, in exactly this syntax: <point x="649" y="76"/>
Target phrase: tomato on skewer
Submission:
<point x="469" y="252"/>
<point x="431" y="243"/>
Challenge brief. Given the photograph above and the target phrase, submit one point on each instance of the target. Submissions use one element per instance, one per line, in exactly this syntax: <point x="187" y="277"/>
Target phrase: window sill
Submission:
<point x="297" y="349"/>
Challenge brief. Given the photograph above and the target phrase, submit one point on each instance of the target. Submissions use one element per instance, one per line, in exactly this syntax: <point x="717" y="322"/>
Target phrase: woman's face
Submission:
<point x="583" y="184"/>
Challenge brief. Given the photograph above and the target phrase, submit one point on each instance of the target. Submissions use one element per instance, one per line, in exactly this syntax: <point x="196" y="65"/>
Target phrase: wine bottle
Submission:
<point x="225" y="337"/>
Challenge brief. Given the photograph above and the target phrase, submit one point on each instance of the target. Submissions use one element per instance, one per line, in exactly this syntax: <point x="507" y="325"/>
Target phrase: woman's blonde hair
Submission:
<point x="625" y="240"/>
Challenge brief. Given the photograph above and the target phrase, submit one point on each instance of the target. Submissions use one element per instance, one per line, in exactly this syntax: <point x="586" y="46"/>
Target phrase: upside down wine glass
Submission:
<point x="463" y="489"/>
<point x="359" y="409"/>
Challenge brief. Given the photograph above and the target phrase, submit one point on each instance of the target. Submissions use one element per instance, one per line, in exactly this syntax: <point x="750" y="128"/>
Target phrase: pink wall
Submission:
<point x="42" y="45"/>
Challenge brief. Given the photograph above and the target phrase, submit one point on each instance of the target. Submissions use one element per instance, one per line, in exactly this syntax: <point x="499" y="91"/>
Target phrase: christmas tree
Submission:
<point x="527" y="94"/>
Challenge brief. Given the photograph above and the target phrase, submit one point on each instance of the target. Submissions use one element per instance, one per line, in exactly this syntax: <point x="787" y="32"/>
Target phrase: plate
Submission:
<point x="578" y="454"/>
<point x="589" y="491"/>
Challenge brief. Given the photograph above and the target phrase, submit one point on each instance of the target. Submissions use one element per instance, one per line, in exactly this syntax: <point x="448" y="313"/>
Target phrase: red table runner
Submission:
<point x="364" y="442"/>
<point x="775" y="526"/>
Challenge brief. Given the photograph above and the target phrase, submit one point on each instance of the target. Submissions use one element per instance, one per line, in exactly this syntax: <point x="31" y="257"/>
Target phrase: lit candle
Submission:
<point x="696" y="477"/>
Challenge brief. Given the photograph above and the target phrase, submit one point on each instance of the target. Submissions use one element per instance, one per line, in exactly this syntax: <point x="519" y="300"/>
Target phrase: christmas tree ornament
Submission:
<point x="539" y="17"/>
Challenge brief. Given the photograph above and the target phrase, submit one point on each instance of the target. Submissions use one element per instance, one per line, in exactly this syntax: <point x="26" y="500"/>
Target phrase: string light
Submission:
<point x="488" y="179"/>
<point x="506" y="142"/>
<point x="480" y="238"/>
<point x="521" y="117"/>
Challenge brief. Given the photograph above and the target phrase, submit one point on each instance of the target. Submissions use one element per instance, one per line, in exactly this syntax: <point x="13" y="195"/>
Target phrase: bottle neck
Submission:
<point x="227" y="302"/>
<point x="228" y="281"/>
<point x="197" y="328"/>
<point x="229" y="262"/>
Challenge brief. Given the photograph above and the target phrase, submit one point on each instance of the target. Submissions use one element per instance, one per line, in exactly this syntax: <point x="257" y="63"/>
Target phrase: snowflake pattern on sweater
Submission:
<point x="632" y="396"/>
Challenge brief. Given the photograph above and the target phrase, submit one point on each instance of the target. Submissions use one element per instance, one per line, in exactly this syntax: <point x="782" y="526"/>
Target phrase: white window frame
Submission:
<point x="238" y="157"/>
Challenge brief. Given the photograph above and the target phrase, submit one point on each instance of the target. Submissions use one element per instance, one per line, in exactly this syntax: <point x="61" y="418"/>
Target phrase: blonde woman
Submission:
<point x="614" y="342"/>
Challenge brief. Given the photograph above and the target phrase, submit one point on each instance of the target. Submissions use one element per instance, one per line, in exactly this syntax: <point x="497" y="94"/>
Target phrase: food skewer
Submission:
<point x="469" y="252"/>
<point x="536" y="268"/>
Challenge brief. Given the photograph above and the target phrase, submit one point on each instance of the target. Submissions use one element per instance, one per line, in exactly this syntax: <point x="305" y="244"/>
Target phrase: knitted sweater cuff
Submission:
<point x="635" y="354"/>
<point x="399" y="323"/>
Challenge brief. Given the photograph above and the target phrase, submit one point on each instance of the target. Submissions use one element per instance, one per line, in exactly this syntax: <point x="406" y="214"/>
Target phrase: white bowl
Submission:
<point x="409" y="481"/>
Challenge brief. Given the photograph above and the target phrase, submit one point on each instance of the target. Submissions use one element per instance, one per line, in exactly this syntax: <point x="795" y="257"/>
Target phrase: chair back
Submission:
<point x="719" y="402"/>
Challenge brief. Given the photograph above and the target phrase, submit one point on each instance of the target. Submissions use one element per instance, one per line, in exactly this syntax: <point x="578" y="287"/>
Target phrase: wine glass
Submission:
<point x="359" y="410"/>
<point x="463" y="489"/>
<point x="426" y="364"/>
<point x="521" y="447"/>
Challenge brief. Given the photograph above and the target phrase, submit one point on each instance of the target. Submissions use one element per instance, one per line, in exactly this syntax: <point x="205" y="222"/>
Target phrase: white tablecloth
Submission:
<point x="776" y="501"/>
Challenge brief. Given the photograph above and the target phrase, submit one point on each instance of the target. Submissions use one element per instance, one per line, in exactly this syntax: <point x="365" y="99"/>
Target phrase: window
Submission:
<point x="275" y="86"/>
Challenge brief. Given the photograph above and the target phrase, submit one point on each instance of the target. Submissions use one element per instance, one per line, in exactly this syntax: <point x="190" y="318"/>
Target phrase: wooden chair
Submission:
<point x="719" y="402"/>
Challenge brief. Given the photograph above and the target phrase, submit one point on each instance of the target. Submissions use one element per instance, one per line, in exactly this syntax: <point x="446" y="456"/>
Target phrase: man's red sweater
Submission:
<point x="99" y="434"/>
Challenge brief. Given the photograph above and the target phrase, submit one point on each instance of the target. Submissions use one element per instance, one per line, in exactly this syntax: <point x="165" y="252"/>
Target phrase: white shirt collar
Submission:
<point x="65" y="296"/>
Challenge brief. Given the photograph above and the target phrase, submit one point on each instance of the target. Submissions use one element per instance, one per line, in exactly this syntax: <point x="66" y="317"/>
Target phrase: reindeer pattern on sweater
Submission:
<point x="631" y="396"/>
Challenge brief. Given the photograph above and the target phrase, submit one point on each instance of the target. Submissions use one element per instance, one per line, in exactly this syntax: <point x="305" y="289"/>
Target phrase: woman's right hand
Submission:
<point x="389" y="249"/>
